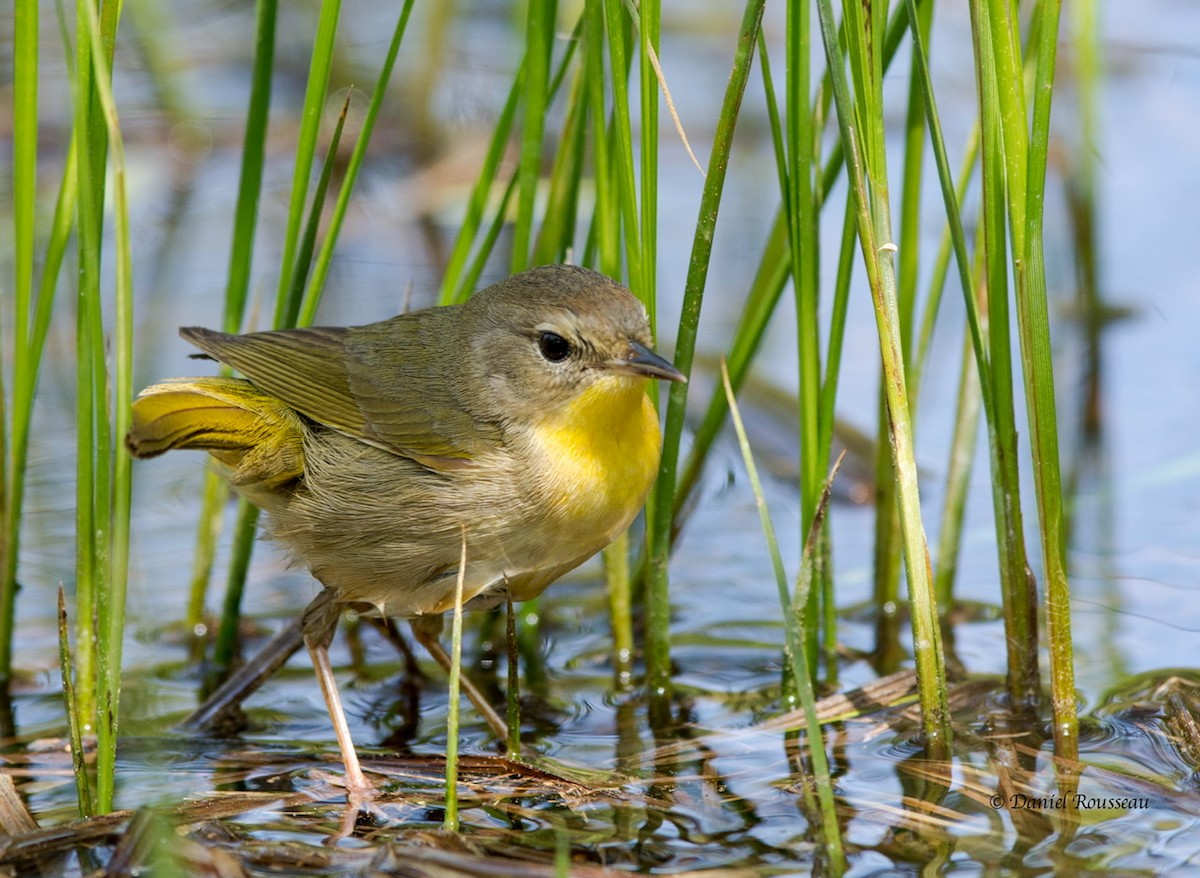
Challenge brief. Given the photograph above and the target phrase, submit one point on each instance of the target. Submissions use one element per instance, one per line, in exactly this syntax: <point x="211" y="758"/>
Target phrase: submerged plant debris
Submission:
<point x="279" y="812"/>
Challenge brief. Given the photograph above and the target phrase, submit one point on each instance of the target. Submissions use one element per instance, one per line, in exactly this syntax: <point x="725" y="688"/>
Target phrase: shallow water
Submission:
<point x="728" y="798"/>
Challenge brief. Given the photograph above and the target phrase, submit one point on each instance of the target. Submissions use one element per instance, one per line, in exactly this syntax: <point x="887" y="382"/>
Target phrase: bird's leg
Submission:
<point x="319" y="623"/>
<point x="219" y="709"/>
<point x="426" y="630"/>
<point x="314" y="629"/>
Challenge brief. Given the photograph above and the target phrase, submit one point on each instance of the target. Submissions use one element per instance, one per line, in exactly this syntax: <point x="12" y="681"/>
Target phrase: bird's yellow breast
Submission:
<point x="600" y="455"/>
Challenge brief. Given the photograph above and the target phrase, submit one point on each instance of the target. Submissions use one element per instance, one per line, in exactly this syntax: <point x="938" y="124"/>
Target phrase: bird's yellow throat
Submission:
<point x="601" y="453"/>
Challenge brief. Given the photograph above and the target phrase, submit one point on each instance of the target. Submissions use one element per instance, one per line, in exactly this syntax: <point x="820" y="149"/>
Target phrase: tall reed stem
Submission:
<point x="868" y="184"/>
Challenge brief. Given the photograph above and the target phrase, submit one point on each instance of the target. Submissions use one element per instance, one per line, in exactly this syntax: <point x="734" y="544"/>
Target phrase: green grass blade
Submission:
<point x="912" y="184"/>
<point x="795" y="654"/>
<point x="539" y="37"/>
<point x="253" y="152"/>
<point x="874" y="237"/>
<point x="941" y="267"/>
<point x="24" y="385"/>
<point x="306" y="147"/>
<point x="462" y="270"/>
<point x="606" y="216"/>
<point x="774" y="268"/>
<point x="958" y="480"/>
<point x="1005" y="56"/>
<point x="24" y="368"/>
<point x="649" y="22"/>
<point x="453" y="290"/>
<point x="225" y="645"/>
<point x="661" y="513"/>
<point x="617" y="27"/>
<point x="470" y="280"/>
<point x="951" y="197"/>
<point x="111" y="606"/>
<point x="1017" y="588"/>
<point x="772" y="273"/>
<point x="604" y="251"/>
<point x="316" y="283"/>
<point x="24" y="158"/>
<point x="1034" y="322"/>
<point x="75" y="720"/>
<point x="966" y="421"/>
<point x="237" y="287"/>
<point x="837" y="327"/>
<point x="797" y="158"/>
<point x="888" y="550"/>
<point x="92" y="435"/>
<point x="802" y="213"/>
<point x="290" y="296"/>
<point x="1081" y="193"/>
<point x="823" y="574"/>
<point x="450" y="820"/>
<point x="557" y="233"/>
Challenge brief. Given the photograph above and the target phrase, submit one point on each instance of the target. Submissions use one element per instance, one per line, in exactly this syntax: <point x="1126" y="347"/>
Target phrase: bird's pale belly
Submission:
<point x="584" y="477"/>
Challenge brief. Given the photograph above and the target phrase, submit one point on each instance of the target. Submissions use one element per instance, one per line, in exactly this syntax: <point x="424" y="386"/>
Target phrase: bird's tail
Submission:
<point x="258" y="439"/>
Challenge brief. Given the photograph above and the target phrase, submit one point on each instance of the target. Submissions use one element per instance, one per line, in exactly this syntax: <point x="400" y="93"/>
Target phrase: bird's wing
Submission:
<point x="328" y="375"/>
<point x="408" y="381"/>
<point x="304" y="368"/>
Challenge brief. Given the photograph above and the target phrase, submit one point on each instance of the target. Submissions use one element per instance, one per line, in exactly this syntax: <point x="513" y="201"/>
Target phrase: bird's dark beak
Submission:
<point x="644" y="362"/>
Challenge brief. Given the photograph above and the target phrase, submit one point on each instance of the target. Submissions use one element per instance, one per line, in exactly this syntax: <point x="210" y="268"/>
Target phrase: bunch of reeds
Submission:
<point x="586" y="113"/>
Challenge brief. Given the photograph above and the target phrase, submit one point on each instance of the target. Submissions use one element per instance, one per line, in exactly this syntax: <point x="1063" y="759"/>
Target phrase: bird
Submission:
<point x="513" y="430"/>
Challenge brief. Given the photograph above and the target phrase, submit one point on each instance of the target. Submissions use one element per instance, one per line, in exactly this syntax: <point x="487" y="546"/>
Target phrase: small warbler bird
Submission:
<point x="513" y="430"/>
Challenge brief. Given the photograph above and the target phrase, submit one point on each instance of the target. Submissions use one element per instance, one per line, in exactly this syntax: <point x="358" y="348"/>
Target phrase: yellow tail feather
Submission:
<point x="258" y="438"/>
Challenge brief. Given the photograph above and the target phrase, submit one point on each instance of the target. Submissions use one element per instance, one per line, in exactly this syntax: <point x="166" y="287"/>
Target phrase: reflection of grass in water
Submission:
<point x="584" y="84"/>
<point x="515" y="814"/>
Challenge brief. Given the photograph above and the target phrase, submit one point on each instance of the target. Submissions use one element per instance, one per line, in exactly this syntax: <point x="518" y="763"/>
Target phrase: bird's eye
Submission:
<point x="554" y="347"/>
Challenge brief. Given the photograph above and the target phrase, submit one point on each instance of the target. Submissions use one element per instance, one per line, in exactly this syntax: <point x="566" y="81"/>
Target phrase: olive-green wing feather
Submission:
<point x="305" y="368"/>
<point x="383" y="383"/>
<point x="408" y="380"/>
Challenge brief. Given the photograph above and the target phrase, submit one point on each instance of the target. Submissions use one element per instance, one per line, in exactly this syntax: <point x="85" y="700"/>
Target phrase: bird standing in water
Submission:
<point x="514" y="428"/>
